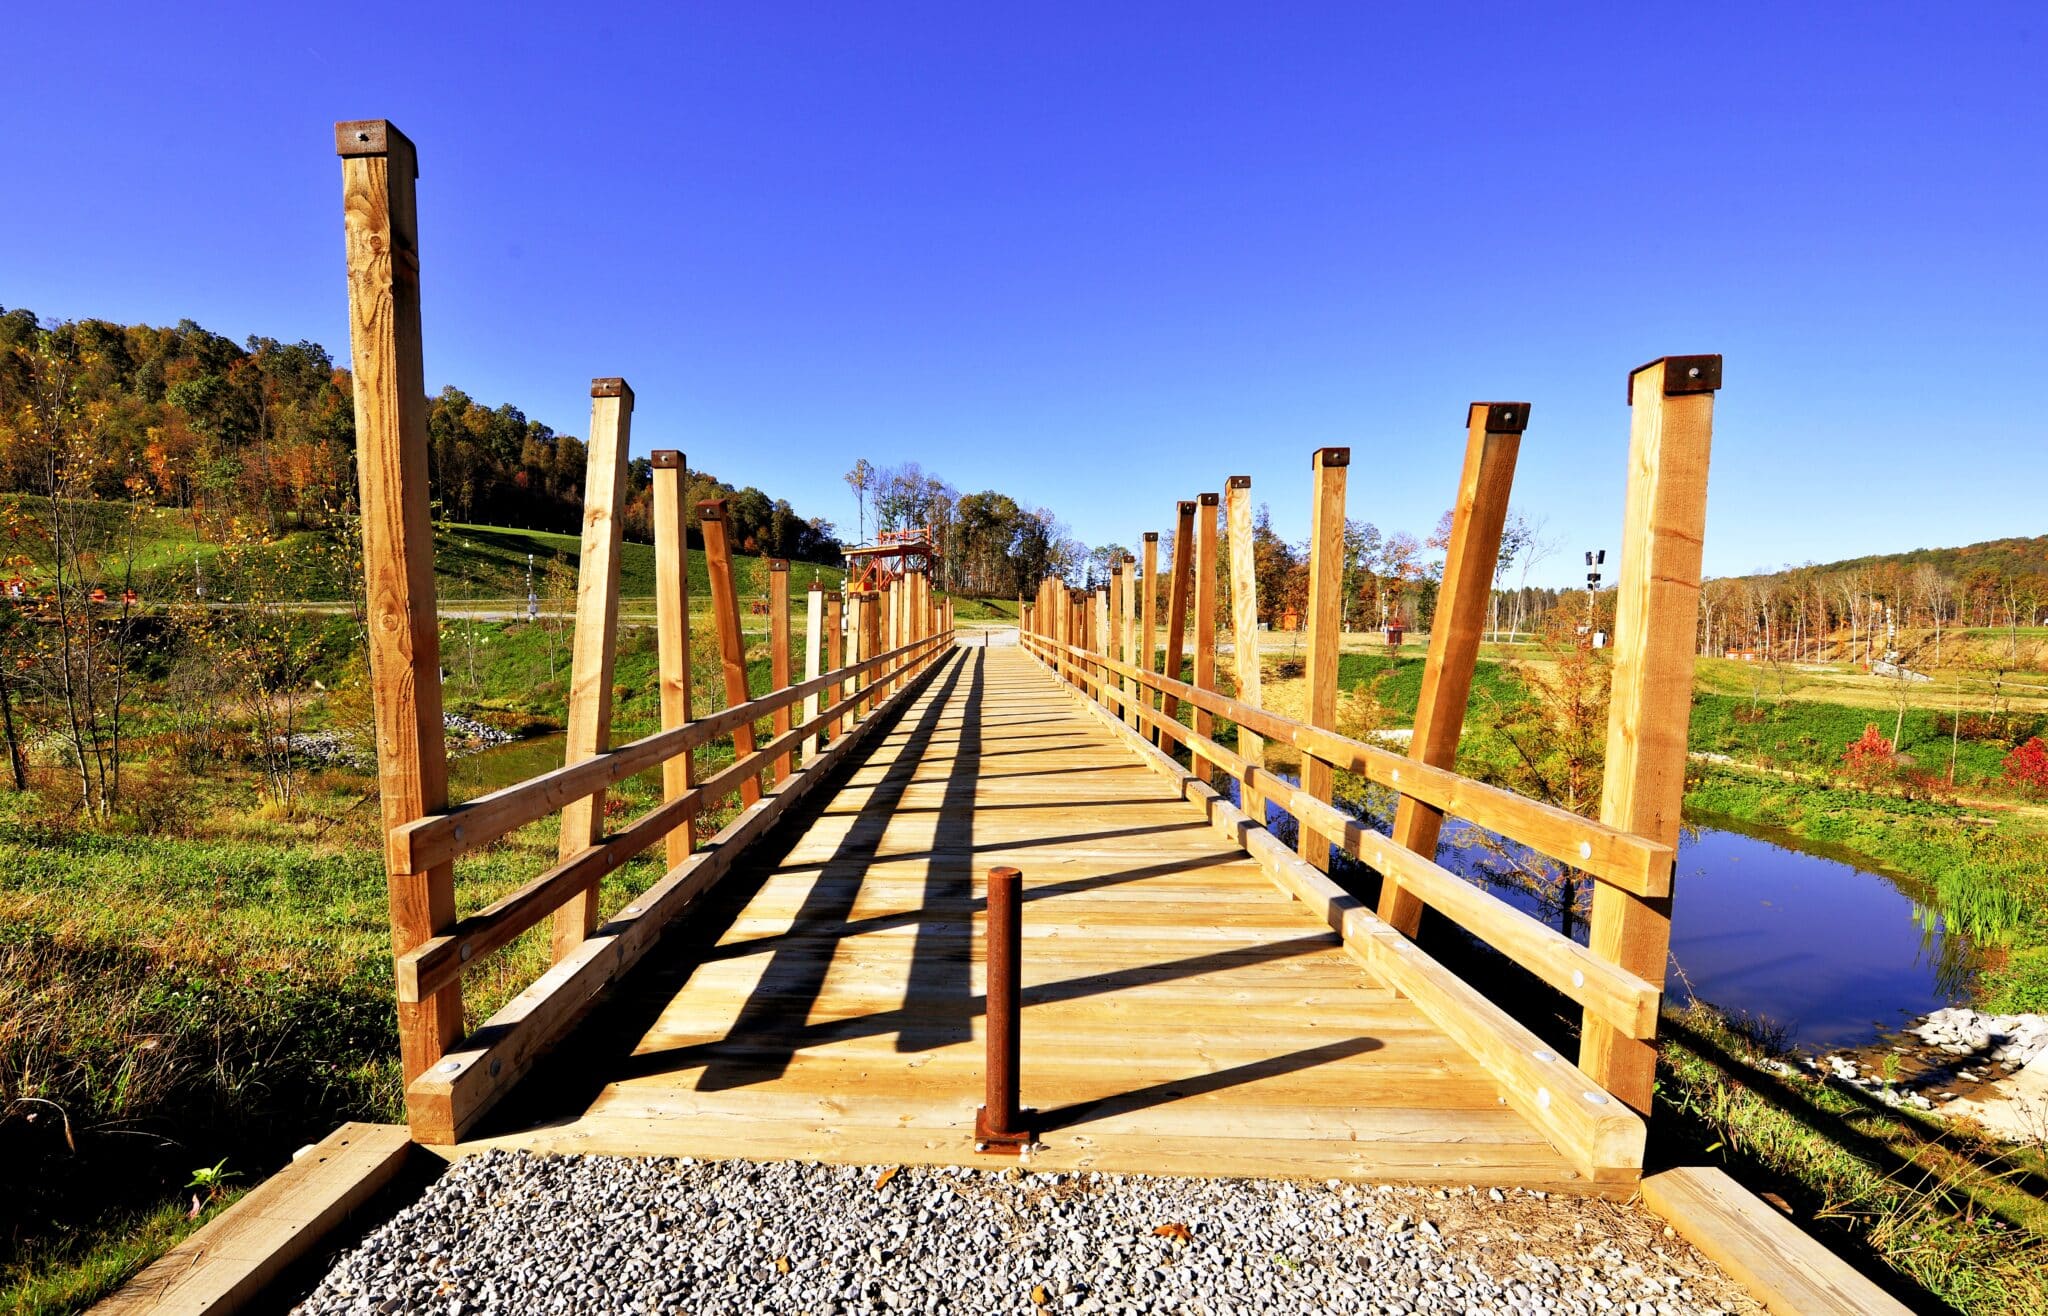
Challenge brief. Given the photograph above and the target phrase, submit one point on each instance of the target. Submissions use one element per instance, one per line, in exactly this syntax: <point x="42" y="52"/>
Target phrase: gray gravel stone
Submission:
<point x="509" y="1232"/>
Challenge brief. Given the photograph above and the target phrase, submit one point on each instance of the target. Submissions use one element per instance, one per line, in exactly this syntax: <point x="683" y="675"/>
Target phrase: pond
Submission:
<point x="1767" y="925"/>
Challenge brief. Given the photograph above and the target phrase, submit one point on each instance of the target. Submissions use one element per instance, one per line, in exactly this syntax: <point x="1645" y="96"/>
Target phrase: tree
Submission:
<point x="861" y="479"/>
<point x="268" y="646"/>
<point x="81" y="622"/>
<point x="1362" y="542"/>
<point x="1280" y="572"/>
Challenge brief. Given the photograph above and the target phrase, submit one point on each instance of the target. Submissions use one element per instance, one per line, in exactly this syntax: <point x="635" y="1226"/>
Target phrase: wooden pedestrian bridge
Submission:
<point x="1197" y="994"/>
<point x="1185" y="987"/>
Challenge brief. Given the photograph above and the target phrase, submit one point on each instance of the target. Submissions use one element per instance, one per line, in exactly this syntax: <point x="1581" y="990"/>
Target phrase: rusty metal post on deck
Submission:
<point x="1000" y="1125"/>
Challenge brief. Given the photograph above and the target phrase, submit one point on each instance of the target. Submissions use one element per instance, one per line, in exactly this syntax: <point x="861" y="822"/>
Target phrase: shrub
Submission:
<point x="1869" y="760"/>
<point x="2026" y="768"/>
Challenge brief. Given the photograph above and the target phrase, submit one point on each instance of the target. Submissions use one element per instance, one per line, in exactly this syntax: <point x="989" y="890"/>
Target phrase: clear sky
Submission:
<point x="1101" y="256"/>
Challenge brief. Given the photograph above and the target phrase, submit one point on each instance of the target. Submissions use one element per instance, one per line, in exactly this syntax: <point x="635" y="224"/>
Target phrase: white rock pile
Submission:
<point x="508" y="1232"/>
<point x="2008" y="1040"/>
<point x="469" y="733"/>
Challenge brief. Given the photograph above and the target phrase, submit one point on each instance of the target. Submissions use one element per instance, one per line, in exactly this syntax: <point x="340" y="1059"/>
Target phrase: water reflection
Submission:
<point x="1764" y="924"/>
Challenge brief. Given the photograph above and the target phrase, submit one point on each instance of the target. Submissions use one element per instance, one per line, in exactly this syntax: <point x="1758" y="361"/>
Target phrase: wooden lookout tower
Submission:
<point x="893" y="555"/>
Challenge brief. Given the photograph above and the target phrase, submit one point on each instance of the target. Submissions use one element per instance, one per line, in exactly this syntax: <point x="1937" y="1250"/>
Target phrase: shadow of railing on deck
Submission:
<point x="827" y="904"/>
<point x="1195" y="1085"/>
<point x="768" y="1041"/>
<point x="940" y="957"/>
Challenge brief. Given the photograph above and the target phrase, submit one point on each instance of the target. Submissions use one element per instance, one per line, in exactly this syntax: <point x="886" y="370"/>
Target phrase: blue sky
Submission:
<point x="1102" y="256"/>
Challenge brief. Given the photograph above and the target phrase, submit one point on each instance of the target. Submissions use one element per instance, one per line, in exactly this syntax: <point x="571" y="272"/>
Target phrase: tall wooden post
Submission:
<point x="814" y="658"/>
<point x="778" y="654"/>
<point x="1112" y="634"/>
<point x="1177" y="593"/>
<point x="1100" y="637"/>
<point x="732" y="641"/>
<point x="857" y="650"/>
<point x="894" y="637"/>
<point x="835" y="652"/>
<point x="1133" y="688"/>
<point x="1325" y="628"/>
<point x="1244" y="627"/>
<point x="1205" y="614"/>
<point x="595" y="643"/>
<point x="1656" y="600"/>
<point x="871" y="644"/>
<point x="381" y="237"/>
<point x="1148" y="614"/>
<point x="1493" y="438"/>
<point x="672" y="634"/>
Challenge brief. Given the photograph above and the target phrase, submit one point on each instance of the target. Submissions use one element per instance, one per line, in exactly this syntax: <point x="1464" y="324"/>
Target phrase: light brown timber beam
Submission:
<point x="1493" y="437"/>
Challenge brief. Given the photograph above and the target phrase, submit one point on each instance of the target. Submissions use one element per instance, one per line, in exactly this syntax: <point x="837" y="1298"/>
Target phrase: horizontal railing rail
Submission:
<point x="1632" y="863"/>
<point x="1603" y="1138"/>
<point x="438" y="838"/>
<point x="439" y="961"/>
<point x="1615" y="994"/>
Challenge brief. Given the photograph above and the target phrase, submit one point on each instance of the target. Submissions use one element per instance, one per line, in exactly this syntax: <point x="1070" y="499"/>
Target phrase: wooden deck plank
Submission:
<point x="1180" y="1014"/>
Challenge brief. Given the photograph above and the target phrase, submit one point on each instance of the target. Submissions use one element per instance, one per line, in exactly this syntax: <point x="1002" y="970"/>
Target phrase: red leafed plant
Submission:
<point x="1869" y="761"/>
<point x="2026" y="768"/>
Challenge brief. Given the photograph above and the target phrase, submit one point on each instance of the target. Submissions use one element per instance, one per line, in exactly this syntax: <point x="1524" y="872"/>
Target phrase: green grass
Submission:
<point x="1399" y="685"/>
<point x="68" y="1270"/>
<point x="1927" y="1211"/>
<point x="967" y="608"/>
<point x="1811" y="734"/>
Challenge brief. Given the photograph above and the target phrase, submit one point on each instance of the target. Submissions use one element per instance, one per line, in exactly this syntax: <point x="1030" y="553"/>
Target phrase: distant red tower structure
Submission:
<point x="894" y="553"/>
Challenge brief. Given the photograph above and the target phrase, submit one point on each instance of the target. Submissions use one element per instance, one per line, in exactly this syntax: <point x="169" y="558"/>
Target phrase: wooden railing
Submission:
<point x="864" y="655"/>
<point x="1593" y="1112"/>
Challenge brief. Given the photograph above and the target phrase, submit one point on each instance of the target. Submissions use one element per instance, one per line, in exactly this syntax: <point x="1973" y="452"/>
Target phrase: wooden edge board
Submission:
<point x="226" y="1264"/>
<point x="438" y="838"/>
<point x="1601" y="1137"/>
<point x="1782" y="1266"/>
<point x="1608" y="990"/>
<point x="447" y="1100"/>
<point x="1633" y="863"/>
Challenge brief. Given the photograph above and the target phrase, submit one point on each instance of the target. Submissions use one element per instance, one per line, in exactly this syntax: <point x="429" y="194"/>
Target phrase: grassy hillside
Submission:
<point x="485" y="562"/>
<point x="477" y="562"/>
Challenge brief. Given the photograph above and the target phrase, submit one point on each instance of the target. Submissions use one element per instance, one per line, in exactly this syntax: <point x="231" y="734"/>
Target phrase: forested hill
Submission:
<point x="2002" y="557"/>
<point x="187" y="419"/>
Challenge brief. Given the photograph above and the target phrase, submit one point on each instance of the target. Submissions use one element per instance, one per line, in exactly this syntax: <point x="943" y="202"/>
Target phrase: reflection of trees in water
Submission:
<point x="1562" y="896"/>
<point x="1948" y="952"/>
<point x="1534" y="883"/>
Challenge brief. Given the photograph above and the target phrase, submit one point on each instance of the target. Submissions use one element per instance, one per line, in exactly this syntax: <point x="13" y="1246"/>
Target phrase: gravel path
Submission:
<point x="507" y="1232"/>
